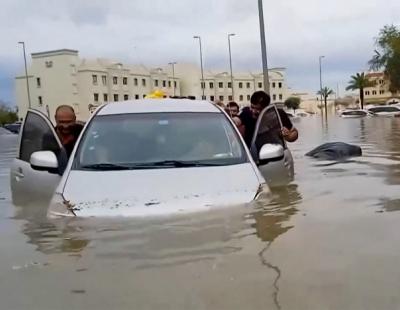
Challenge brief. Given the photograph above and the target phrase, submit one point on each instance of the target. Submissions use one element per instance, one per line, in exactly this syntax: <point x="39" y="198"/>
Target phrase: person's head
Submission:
<point x="258" y="102"/>
<point x="233" y="108"/>
<point x="65" y="119"/>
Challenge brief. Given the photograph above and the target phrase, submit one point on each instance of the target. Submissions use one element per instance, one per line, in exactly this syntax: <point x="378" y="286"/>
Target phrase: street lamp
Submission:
<point x="201" y="65"/>
<point x="263" y="46"/>
<point x="230" y="63"/>
<point x="26" y="74"/>
<point x="173" y="74"/>
<point x="320" y="76"/>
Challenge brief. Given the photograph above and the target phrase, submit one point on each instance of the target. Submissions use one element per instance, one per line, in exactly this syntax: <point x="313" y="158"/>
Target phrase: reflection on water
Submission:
<point x="327" y="241"/>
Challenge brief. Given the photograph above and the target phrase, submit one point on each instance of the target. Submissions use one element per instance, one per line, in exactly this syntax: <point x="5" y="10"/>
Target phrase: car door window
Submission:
<point x="268" y="130"/>
<point x="37" y="135"/>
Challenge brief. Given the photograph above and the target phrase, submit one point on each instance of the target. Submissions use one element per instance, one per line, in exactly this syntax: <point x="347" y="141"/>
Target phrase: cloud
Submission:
<point x="159" y="31"/>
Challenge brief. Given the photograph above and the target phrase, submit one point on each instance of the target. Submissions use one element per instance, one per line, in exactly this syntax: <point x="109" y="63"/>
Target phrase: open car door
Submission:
<point x="269" y="149"/>
<point x="30" y="186"/>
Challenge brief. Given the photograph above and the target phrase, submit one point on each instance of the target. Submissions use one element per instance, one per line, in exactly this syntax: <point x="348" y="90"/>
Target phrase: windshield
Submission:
<point x="157" y="140"/>
<point x="384" y="109"/>
<point x="354" y="113"/>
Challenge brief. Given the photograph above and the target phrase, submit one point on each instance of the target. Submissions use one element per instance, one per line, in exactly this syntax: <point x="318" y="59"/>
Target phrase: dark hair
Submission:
<point x="232" y="104"/>
<point x="65" y="106"/>
<point x="260" y="98"/>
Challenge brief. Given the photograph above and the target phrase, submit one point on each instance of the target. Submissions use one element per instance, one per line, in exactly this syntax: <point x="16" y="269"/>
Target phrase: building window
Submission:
<point x="211" y="85"/>
<point x="230" y="98"/>
<point x="40" y="101"/>
<point x="169" y="84"/>
<point x="96" y="97"/>
<point x="221" y="98"/>
<point x="49" y="64"/>
<point x="115" y="80"/>
<point x="104" y="79"/>
<point x="248" y="97"/>
<point x="143" y="82"/>
<point x="381" y="92"/>
<point x="229" y="85"/>
<point x="164" y="83"/>
<point x="241" y="98"/>
<point x="280" y="85"/>
<point x="125" y="80"/>
<point x="380" y="81"/>
<point x="203" y="85"/>
<point x="115" y="97"/>
<point x="126" y="97"/>
<point x="240" y="85"/>
<point x="259" y="85"/>
<point x="156" y="83"/>
<point x="221" y="85"/>
<point x="175" y="84"/>
<point x="94" y="79"/>
<point x="280" y="97"/>
<point x="274" y="97"/>
<point x="38" y="84"/>
<point x="367" y="93"/>
<point x="144" y="96"/>
<point x="273" y="85"/>
<point x="135" y="82"/>
<point x="248" y="84"/>
<point x="105" y="97"/>
<point x="212" y="98"/>
<point x="374" y="92"/>
<point x="136" y="96"/>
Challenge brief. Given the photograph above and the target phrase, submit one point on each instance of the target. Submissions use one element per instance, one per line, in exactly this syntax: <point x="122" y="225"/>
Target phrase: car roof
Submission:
<point x="159" y="106"/>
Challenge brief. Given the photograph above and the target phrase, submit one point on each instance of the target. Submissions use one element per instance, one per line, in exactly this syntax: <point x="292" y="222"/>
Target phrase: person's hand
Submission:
<point x="285" y="132"/>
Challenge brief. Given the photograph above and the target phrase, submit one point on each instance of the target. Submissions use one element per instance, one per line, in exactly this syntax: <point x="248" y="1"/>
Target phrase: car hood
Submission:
<point x="159" y="191"/>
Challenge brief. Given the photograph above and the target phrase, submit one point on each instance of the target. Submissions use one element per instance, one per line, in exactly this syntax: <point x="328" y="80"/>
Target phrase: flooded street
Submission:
<point x="327" y="241"/>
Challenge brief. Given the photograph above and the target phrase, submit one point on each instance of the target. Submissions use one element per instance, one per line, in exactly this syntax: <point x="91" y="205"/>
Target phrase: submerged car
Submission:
<point x="385" y="110"/>
<point x="150" y="156"/>
<point x="14" y="127"/>
<point x="354" y="113"/>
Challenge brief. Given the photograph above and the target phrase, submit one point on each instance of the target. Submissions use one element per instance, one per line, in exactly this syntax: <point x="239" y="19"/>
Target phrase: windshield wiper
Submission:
<point x="173" y="163"/>
<point x="105" y="166"/>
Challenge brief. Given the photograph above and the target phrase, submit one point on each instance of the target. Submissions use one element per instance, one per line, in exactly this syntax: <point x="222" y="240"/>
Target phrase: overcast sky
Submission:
<point x="160" y="31"/>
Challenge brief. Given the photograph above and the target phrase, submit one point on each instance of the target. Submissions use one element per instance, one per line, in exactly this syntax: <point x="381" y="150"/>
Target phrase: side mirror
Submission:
<point x="44" y="161"/>
<point x="271" y="152"/>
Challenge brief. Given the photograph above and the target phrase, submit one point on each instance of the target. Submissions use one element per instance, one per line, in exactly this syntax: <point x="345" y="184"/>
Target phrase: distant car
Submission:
<point x="14" y="127"/>
<point x="385" y="110"/>
<point x="150" y="156"/>
<point x="354" y="113"/>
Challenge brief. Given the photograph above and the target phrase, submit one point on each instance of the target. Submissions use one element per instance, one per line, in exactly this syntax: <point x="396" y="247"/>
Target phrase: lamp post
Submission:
<point x="173" y="74"/>
<point x="201" y="66"/>
<point x="230" y="63"/>
<point x="263" y="46"/>
<point x="26" y="75"/>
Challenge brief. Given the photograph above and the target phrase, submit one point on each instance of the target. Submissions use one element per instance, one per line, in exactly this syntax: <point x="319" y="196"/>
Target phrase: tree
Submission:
<point x="325" y="92"/>
<point x="292" y="103"/>
<point x="360" y="81"/>
<point x="7" y="115"/>
<point x="387" y="55"/>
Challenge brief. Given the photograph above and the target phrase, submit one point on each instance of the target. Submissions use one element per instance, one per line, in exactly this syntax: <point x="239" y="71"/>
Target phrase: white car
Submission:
<point x="385" y="110"/>
<point x="148" y="157"/>
<point x="354" y="113"/>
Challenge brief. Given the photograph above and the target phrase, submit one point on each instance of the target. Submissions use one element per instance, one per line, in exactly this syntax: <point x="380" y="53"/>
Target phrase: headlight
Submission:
<point x="59" y="207"/>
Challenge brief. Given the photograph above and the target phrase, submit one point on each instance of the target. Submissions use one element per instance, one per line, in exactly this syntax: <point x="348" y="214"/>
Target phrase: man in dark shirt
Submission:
<point x="248" y="118"/>
<point x="67" y="129"/>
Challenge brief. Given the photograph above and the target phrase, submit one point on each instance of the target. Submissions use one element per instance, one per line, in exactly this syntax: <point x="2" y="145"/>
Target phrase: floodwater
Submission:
<point x="330" y="240"/>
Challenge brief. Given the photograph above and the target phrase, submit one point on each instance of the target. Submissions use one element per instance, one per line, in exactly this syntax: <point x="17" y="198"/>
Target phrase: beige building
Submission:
<point x="380" y="92"/>
<point x="61" y="77"/>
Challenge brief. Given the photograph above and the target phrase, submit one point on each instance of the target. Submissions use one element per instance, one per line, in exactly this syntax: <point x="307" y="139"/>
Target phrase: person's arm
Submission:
<point x="289" y="132"/>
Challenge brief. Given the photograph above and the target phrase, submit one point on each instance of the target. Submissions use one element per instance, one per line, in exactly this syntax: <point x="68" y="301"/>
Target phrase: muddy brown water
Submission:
<point x="329" y="240"/>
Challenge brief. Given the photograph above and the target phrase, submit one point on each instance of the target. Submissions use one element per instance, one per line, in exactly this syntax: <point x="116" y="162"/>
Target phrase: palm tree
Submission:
<point x="360" y="81"/>
<point x="325" y="92"/>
